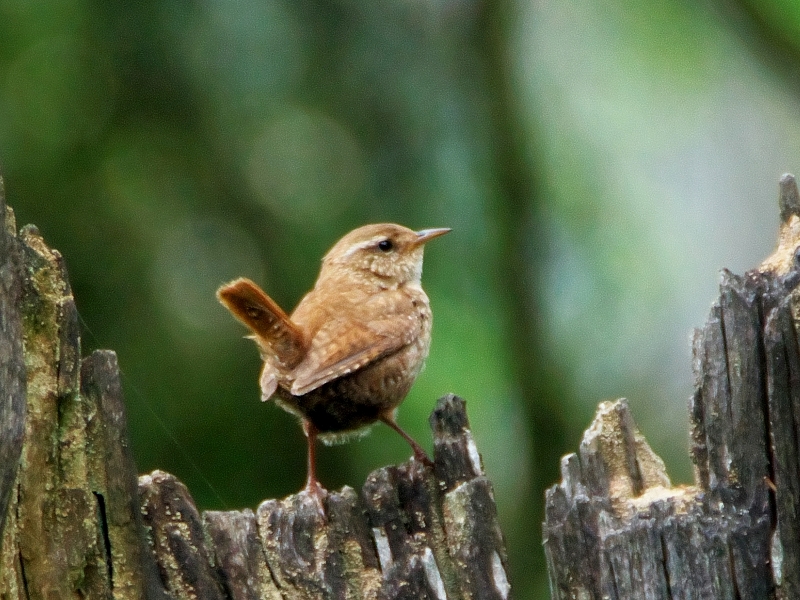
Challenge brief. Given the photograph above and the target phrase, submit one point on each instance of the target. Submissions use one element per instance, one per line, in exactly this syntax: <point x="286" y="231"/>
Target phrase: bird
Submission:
<point x="350" y="351"/>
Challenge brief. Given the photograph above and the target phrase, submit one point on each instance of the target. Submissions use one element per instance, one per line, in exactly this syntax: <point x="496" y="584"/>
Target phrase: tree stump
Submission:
<point x="616" y="529"/>
<point x="76" y="523"/>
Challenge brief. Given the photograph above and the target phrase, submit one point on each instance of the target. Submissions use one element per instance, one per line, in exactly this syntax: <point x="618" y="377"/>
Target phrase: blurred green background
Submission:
<point x="598" y="161"/>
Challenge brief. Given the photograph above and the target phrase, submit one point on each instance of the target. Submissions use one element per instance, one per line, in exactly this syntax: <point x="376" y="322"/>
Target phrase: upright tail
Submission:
<point x="271" y="326"/>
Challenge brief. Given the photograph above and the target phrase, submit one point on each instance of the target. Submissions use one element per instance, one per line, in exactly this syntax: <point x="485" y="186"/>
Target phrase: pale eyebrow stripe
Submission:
<point x="367" y="244"/>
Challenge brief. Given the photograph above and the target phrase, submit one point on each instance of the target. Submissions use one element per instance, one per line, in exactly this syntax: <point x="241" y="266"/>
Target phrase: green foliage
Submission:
<point x="165" y="148"/>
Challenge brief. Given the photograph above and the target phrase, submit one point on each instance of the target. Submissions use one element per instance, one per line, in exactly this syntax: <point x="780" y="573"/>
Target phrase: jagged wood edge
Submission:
<point x="410" y="533"/>
<point x="78" y="523"/>
<point x="735" y="533"/>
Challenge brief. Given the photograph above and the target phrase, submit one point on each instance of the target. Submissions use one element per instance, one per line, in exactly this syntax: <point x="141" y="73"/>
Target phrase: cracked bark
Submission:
<point x="615" y="527"/>
<point x="75" y="522"/>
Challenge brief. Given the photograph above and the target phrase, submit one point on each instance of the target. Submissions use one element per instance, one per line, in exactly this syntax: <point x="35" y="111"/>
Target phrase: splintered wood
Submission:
<point x="76" y="523"/>
<point x="614" y="527"/>
<point x="411" y="532"/>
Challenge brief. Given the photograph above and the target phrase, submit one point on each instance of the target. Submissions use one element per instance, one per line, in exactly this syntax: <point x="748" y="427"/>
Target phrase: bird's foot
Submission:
<point x="318" y="494"/>
<point x="421" y="456"/>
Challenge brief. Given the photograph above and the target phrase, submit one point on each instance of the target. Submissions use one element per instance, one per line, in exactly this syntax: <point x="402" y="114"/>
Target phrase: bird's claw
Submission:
<point x="421" y="456"/>
<point x="318" y="494"/>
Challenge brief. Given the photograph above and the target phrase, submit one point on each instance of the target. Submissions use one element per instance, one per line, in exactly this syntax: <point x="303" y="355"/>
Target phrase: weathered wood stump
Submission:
<point x="76" y="523"/>
<point x="614" y="528"/>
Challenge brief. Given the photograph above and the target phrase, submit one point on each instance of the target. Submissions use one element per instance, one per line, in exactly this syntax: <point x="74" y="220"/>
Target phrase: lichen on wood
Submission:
<point x="75" y="522"/>
<point x="615" y="528"/>
<point x="412" y="532"/>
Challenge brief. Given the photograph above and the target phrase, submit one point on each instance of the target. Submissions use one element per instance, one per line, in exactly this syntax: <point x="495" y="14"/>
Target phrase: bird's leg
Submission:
<point x="419" y="453"/>
<point x="313" y="487"/>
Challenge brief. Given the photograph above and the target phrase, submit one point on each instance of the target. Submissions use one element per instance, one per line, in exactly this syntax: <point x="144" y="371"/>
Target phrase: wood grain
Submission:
<point x="75" y="522"/>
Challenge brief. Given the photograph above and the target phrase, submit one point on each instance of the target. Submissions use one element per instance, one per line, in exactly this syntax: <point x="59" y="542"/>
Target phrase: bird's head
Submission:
<point x="388" y="253"/>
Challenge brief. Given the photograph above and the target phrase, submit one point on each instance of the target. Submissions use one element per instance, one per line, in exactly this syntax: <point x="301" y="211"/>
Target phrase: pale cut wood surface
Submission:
<point x="614" y="526"/>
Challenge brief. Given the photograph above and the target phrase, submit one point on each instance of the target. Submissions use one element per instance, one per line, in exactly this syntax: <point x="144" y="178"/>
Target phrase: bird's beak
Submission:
<point x="425" y="235"/>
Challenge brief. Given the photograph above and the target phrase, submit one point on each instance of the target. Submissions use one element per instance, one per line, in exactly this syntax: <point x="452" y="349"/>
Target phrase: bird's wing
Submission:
<point x="343" y="346"/>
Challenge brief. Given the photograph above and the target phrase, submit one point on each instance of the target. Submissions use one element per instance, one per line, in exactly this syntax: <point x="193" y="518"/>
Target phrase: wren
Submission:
<point x="349" y="353"/>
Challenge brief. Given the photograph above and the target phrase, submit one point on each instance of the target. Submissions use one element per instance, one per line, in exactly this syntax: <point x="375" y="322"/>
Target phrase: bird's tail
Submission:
<point x="271" y="327"/>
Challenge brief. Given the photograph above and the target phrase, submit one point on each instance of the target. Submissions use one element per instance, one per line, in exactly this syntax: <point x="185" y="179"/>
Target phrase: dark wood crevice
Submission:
<point x="76" y="521"/>
<point x="720" y="537"/>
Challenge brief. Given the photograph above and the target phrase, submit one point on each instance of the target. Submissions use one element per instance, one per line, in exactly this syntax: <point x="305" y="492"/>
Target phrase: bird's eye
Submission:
<point x="385" y="245"/>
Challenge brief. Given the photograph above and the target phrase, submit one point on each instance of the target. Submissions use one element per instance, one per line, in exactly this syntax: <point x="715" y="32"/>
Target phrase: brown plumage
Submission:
<point x="349" y="353"/>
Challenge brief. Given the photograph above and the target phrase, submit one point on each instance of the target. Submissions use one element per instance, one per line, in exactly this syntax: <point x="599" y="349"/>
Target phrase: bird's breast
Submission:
<point x="359" y="397"/>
